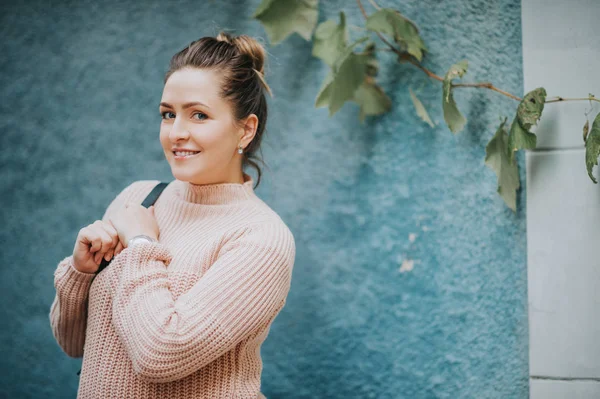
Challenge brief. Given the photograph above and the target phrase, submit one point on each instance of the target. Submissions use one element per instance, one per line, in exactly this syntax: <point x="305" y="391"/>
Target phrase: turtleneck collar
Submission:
<point x="217" y="193"/>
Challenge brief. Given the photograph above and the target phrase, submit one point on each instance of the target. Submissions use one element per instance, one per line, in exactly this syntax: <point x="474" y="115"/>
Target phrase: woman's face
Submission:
<point x="196" y="118"/>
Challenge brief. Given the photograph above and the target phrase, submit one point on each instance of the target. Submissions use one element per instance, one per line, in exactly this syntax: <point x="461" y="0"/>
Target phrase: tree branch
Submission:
<point x="487" y="85"/>
<point x="406" y="57"/>
<point x="390" y="45"/>
<point x="560" y="99"/>
<point x="403" y="56"/>
<point x="374" y="5"/>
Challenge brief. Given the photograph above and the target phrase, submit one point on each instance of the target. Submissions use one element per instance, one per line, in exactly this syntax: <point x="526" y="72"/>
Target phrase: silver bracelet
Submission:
<point x="139" y="239"/>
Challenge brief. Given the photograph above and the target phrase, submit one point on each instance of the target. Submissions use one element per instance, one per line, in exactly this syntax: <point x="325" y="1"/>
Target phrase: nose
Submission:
<point x="178" y="131"/>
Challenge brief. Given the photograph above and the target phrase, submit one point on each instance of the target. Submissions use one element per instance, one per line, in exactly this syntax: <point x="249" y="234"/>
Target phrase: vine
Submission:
<point x="352" y="77"/>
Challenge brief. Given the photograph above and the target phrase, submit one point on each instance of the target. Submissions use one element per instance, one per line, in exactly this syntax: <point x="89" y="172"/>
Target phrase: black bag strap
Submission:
<point x="148" y="202"/>
<point x="154" y="194"/>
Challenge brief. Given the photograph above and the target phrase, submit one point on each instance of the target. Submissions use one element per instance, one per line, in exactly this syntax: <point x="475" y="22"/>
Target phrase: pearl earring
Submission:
<point x="240" y="150"/>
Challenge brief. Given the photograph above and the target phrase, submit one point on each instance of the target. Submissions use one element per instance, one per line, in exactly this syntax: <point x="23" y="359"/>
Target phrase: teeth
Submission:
<point x="186" y="153"/>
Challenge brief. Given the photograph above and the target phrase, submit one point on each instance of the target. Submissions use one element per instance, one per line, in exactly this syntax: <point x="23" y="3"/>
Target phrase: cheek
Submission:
<point x="212" y="137"/>
<point x="164" y="136"/>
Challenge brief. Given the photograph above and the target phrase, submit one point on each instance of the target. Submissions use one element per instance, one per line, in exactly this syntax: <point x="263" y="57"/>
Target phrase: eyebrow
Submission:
<point x="186" y="105"/>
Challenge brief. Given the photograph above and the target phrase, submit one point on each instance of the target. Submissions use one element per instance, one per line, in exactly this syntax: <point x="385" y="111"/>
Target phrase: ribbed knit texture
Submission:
<point x="184" y="317"/>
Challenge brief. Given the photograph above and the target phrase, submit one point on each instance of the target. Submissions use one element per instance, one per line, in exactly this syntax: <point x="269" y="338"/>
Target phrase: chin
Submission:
<point x="181" y="173"/>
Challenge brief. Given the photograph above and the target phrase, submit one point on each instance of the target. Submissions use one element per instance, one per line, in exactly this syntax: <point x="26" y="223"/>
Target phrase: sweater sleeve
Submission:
<point x="68" y="312"/>
<point x="242" y="291"/>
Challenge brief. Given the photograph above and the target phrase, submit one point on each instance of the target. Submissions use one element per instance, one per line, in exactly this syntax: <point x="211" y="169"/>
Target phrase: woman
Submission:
<point x="183" y="308"/>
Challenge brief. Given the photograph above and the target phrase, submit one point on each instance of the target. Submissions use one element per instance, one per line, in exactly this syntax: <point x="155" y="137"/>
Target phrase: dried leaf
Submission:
<point x="529" y="112"/>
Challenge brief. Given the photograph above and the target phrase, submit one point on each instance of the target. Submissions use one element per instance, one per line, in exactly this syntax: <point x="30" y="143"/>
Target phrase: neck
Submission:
<point x="217" y="193"/>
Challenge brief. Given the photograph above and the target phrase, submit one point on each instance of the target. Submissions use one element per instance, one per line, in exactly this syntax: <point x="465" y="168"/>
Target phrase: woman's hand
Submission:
<point x="94" y="242"/>
<point x="134" y="219"/>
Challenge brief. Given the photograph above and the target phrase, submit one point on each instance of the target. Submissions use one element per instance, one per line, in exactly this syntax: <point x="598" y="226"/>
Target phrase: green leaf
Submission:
<point x="330" y="40"/>
<point x="346" y="76"/>
<point x="281" y="18"/>
<point x="347" y="52"/>
<point x="347" y="80"/>
<point x="454" y="119"/>
<point x="263" y="7"/>
<point x="498" y="159"/>
<point x="351" y="78"/>
<point x="592" y="147"/>
<point x="372" y="99"/>
<point x="529" y="112"/>
<point x="404" y="32"/>
<point x="372" y="64"/>
<point x="370" y="96"/>
<point x="421" y="111"/>
<point x="531" y="107"/>
<point x="340" y="87"/>
<point x="324" y="95"/>
<point x="520" y="138"/>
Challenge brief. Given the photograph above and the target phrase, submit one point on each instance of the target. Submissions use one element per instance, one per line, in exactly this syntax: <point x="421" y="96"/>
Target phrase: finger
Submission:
<point x="110" y="223"/>
<point x="89" y="236"/>
<point x="98" y="258"/>
<point x="114" y="225"/>
<point x="97" y="245"/>
<point x="112" y="232"/>
<point x="118" y="248"/>
<point x="105" y="241"/>
<point x="85" y="237"/>
<point x="109" y="255"/>
<point x="102" y="234"/>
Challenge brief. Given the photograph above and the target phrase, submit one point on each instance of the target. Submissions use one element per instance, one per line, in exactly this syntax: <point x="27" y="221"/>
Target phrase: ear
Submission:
<point x="250" y="124"/>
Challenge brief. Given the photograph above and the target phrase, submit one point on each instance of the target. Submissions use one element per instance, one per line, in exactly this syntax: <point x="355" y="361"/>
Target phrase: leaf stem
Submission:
<point x="390" y="45"/>
<point x="403" y="56"/>
<point x="374" y="5"/>
<point x="487" y="85"/>
<point x="560" y="99"/>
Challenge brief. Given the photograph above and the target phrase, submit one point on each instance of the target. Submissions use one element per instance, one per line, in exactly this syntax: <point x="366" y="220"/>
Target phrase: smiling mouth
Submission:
<point x="185" y="155"/>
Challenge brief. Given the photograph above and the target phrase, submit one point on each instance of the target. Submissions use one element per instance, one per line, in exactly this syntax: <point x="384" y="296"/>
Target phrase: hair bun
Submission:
<point x="251" y="47"/>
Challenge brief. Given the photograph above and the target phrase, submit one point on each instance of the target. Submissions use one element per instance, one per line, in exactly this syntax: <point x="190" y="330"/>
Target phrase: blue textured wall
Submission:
<point x="80" y="85"/>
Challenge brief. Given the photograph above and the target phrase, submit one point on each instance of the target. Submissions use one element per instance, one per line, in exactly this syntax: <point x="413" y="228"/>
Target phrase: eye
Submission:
<point x="162" y="114"/>
<point x="204" y="116"/>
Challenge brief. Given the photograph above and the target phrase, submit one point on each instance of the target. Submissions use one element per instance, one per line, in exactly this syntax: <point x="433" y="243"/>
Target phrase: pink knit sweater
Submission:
<point x="184" y="317"/>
